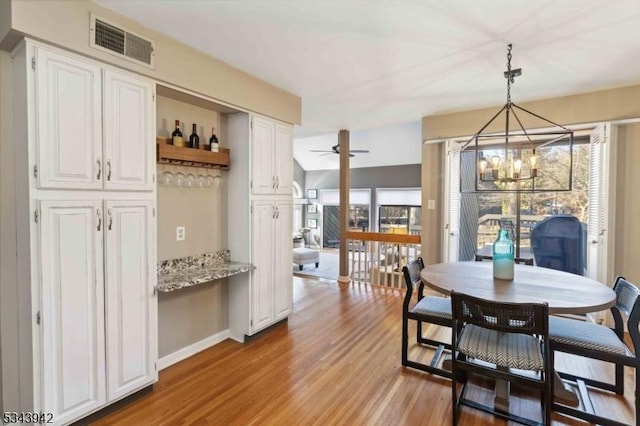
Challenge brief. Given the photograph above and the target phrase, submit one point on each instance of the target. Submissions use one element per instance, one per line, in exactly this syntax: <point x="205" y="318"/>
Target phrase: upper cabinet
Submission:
<point x="129" y="136"/>
<point x="68" y="121"/>
<point x="94" y="126"/>
<point x="272" y="160"/>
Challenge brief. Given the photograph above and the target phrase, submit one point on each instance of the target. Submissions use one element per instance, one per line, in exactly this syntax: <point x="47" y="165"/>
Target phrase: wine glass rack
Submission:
<point x="170" y="154"/>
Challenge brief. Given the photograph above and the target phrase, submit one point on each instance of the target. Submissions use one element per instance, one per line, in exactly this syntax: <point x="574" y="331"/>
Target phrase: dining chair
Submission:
<point x="495" y="339"/>
<point x="428" y="309"/>
<point x="600" y="342"/>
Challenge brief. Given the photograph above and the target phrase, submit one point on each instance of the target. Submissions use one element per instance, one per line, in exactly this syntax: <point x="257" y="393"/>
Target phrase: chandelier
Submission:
<point x="519" y="160"/>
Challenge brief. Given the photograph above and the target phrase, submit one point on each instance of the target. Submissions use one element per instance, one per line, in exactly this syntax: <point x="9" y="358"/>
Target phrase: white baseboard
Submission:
<point x="191" y="350"/>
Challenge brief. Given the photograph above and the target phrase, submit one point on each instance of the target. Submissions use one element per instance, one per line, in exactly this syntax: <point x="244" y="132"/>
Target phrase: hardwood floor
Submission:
<point x="336" y="362"/>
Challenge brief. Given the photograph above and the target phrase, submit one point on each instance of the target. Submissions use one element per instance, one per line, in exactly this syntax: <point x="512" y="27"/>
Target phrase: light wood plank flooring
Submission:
<point x="335" y="362"/>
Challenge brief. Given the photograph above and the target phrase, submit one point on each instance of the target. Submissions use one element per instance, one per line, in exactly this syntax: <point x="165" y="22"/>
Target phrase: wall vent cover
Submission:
<point x="120" y="42"/>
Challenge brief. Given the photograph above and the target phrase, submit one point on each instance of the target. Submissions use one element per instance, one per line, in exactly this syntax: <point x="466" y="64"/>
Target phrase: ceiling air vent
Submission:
<point x="120" y="42"/>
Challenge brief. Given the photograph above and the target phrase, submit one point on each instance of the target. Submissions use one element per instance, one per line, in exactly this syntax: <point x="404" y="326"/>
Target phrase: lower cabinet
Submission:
<point x="97" y="261"/>
<point x="272" y="280"/>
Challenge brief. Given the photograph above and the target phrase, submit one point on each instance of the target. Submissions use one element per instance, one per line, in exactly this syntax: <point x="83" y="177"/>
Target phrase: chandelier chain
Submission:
<point x="510" y="77"/>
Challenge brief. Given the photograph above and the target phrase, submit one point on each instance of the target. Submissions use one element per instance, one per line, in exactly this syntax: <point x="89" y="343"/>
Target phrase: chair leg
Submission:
<point x="454" y="394"/>
<point x="419" y="332"/>
<point x="548" y="398"/>
<point x="619" y="383"/>
<point x="637" y="393"/>
<point x="405" y="339"/>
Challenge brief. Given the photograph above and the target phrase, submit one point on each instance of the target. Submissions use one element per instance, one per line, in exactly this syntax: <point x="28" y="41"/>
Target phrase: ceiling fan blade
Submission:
<point x="326" y="153"/>
<point x="320" y="150"/>
<point x="359" y="151"/>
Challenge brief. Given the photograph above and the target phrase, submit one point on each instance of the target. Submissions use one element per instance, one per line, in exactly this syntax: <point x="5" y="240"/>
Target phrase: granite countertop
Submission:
<point x="175" y="274"/>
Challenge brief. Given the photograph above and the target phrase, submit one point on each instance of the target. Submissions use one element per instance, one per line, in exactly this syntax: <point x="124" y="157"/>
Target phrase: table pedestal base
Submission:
<point x="561" y="393"/>
<point x="501" y="395"/>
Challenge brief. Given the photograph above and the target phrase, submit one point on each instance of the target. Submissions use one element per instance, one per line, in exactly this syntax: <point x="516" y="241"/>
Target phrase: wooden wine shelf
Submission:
<point x="192" y="157"/>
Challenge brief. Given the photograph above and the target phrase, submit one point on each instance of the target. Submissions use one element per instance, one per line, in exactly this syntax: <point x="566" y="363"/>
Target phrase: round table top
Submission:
<point x="564" y="292"/>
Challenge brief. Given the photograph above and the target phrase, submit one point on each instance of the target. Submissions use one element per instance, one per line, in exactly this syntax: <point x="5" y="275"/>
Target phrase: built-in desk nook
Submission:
<point x="224" y="223"/>
<point x="176" y="274"/>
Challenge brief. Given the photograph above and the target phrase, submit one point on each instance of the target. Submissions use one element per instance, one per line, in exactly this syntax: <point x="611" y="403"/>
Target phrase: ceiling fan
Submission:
<point x="336" y="150"/>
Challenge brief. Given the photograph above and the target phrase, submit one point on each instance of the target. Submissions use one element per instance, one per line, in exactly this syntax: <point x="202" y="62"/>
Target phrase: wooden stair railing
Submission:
<point x="377" y="259"/>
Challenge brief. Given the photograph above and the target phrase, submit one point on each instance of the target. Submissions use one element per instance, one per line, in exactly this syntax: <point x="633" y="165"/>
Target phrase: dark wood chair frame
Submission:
<point x="412" y="278"/>
<point x="525" y="318"/>
<point x="632" y="310"/>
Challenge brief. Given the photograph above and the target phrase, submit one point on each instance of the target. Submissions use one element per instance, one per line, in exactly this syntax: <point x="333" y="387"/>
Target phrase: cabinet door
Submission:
<point x="263" y="179"/>
<point x="68" y="121"/>
<point x="130" y="279"/>
<point x="283" y="274"/>
<point x="263" y="219"/>
<point x="73" y="347"/>
<point x="129" y="145"/>
<point x="283" y="160"/>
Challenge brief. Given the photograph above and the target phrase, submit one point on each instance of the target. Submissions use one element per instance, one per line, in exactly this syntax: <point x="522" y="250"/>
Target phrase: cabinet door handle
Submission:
<point x="273" y="212"/>
<point x="277" y="212"/>
<point x="99" y="219"/>
<point x="277" y="182"/>
<point x="108" y="169"/>
<point x="99" y="168"/>
<point x="110" y="219"/>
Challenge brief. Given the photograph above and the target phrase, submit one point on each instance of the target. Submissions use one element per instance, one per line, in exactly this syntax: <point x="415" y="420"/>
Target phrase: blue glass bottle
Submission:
<point x="503" y="256"/>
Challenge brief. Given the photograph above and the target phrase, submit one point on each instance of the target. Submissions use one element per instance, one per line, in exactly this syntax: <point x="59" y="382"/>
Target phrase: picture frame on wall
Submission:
<point x="312" y="193"/>
<point x="312" y="223"/>
<point x="312" y="208"/>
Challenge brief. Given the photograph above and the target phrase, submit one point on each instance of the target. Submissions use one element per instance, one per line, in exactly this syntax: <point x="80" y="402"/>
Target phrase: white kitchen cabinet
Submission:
<point x="68" y="101"/>
<point x="73" y="339"/>
<point x="79" y="321"/>
<point x="282" y="252"/>
<point x="77" y="104"/>
<point x="283" y="159"/>
<point x="98" y="325"/>
<point x="130" y="306"/>
<point x="271" y="285"/>
<point x="129" y="142"/>
<point x="261" y="220"/>
<point x="263" y="284"/>
<point x="272" y="158"/>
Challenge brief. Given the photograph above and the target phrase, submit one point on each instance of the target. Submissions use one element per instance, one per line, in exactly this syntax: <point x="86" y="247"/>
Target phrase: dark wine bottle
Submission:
<point x="194" y="140"/>
<point x="176" y="136"/>
<point x="213" y="141"/>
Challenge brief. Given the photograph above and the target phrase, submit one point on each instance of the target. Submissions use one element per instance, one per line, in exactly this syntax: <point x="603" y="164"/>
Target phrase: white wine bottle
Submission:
<point x="213" y="141"/>
<point x="176" y="136"/>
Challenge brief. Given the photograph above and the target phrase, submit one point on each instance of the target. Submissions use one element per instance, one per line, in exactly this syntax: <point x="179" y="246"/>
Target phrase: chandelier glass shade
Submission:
<point x="520" y="160"/>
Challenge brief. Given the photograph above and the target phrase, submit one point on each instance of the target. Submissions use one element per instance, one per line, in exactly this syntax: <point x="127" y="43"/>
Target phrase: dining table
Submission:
<point x="564" y="293"/>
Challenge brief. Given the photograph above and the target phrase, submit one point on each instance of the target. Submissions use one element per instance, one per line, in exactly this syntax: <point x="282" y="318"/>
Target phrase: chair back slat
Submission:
<point x="626" y="295"/>
<point x="526" y="318"/>
<point x="412" y="277"/>
<point x="412" y="272"/>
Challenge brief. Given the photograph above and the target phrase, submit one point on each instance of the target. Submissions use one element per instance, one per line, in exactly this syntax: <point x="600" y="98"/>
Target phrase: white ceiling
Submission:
<point x="364" y="65"/>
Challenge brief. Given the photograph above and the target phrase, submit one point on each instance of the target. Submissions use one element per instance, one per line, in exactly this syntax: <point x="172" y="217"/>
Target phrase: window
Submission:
<point x="399" y="220"/>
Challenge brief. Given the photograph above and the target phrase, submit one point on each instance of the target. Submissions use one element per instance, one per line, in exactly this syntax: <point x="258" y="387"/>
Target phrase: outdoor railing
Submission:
<point x="378" y="259"/>
<point x="488" y="226"/>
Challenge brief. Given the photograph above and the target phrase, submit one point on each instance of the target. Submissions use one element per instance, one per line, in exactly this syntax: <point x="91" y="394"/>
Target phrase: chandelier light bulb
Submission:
<point x="483" y="168"/>
<point x="495" y="166"/>
<point x="517" y="166"/>
<point x="533" y="160"/>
